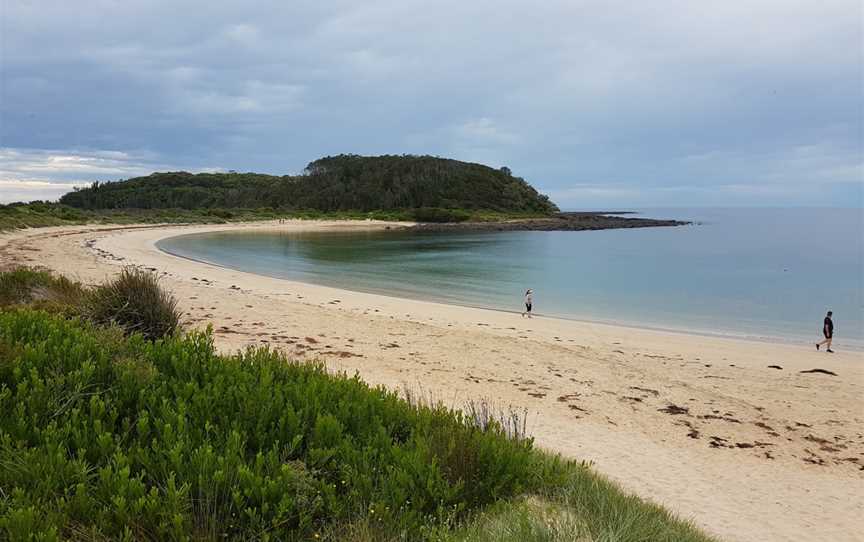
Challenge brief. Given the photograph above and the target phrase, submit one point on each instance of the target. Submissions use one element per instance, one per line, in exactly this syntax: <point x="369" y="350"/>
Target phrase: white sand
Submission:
<point x="761" y="454"/>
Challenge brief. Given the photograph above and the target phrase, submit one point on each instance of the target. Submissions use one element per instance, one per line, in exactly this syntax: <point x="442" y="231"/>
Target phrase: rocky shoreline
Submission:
<point x="575" y="221"/>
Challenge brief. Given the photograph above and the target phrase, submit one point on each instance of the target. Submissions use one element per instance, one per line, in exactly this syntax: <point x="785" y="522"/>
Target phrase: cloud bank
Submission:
<point x="597" y="103"/>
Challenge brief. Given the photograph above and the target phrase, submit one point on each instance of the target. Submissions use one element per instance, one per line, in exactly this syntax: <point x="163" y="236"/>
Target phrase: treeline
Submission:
<point x="334" y="183"/>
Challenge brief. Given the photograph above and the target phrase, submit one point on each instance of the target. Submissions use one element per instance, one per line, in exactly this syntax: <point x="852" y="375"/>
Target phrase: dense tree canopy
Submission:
<point x="334" y="183"/>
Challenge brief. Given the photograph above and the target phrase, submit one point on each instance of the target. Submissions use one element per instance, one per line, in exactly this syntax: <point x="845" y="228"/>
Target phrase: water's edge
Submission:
<point x="730" y="335"/>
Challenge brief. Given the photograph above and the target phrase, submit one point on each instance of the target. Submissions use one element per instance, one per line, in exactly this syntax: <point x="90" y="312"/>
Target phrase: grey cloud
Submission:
<point x="31" y="174"/>
<point x="64" y="164"/>
<point x="560" y="91"/>
<point x="24" y="190"/>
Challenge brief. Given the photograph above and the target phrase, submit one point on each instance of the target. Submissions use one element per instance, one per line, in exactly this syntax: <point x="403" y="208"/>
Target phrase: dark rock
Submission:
<point x="559" y="222"/>
<point x="821" y="371"/>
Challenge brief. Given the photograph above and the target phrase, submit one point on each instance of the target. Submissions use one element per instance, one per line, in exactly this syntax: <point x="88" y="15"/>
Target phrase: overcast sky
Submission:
<point x="598" y="104"/>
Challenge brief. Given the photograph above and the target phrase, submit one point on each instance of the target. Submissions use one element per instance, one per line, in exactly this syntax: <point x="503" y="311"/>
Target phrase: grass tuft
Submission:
<point x="512" y="421"/>
<point x="526" y="519"/>
<point x="26" y="285"/>
<point x="135" y="302"/>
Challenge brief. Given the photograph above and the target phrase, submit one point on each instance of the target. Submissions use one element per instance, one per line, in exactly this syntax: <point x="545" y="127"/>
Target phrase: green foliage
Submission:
<point x="21" y="215"/>
<point x="42" y="214"/>
<point x="122" y="438"/>
<point x="32" y="215"/>
<point x="575" y="503"/>
<point x="221" y="213"/>
<point x="434" y="214"/>
<point x="107" y="436"/>
<point x="610" y="514"/>
<point x="51" y="214"/>
<point x="334" y="183"/>
<point x="110" y="436"/>
<point x="526" y="520"/>
<point x="31" y="286"/>
<point x="134" y="301"/>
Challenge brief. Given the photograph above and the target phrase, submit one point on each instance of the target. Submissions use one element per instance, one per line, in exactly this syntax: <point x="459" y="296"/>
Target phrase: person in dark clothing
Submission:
<point x="828" y="332"/>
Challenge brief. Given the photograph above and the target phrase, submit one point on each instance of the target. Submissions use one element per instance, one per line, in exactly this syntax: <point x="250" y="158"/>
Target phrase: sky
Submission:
<point x="597" y="103"/>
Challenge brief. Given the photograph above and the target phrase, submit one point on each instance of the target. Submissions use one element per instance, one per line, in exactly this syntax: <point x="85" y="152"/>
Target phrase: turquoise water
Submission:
<point x="761" y="273"/>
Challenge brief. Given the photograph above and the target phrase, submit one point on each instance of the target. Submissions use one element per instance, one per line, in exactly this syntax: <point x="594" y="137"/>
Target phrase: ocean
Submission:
<point x="768" y="274"/>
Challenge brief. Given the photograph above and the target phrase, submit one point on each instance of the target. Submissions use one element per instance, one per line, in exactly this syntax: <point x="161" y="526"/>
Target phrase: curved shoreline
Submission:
<point x="633" y="325"/>
<point x="595" y="392"/>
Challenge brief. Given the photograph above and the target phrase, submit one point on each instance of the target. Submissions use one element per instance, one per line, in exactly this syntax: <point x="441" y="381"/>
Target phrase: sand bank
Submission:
<point x="729" y="433"/>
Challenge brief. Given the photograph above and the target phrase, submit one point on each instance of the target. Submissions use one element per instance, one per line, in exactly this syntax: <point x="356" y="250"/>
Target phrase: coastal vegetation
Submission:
<point x="334" y="183"/>
<point x="42" y="214"/>
<point x="427" y="190"/>
<point x="110" y="433"/>
<point x="133" y="300"/>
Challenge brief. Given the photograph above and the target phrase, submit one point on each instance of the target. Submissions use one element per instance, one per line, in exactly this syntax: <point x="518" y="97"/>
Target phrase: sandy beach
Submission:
<point x="736" y="435"/>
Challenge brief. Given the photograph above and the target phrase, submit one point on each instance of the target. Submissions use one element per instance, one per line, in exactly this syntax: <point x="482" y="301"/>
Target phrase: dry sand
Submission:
<point x="729" y="433"/>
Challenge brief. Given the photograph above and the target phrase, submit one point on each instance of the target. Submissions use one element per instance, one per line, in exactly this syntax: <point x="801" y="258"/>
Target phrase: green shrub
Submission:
<point x="27" y="285"/>
<point x="134" y="301"/>
<point x="221" y="213"/>
<point x="117" y="437"/>
<point x="434" y="214"/>
<point x="112" y="437"/>
<point x="71" y="214"/>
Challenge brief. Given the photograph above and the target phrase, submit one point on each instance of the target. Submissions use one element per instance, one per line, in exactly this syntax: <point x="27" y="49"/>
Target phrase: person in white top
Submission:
<point x="528" y="303"/>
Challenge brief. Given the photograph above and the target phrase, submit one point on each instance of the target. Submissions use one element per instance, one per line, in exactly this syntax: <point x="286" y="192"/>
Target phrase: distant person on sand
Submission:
<point x="529" y="301"/>
<point x="828" y="331"/>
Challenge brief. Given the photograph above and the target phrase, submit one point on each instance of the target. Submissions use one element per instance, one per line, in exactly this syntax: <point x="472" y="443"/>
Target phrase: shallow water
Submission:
<point x="762" y="273"/>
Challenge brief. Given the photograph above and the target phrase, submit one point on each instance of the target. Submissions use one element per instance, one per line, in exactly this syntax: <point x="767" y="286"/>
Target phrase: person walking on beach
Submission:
<point x="828" y="331"/>
<point x="529" y="301"/>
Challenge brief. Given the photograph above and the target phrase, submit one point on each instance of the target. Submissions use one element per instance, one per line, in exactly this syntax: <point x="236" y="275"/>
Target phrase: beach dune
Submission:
<point x="751" y="440"/>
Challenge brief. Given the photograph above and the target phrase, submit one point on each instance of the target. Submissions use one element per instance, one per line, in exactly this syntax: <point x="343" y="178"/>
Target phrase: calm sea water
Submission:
<point x="760" y="273"/>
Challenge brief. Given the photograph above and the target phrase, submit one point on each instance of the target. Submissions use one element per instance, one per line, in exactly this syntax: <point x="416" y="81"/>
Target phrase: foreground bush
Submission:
<point x="29" y="286"/>
<point x="107" y="437"/>
<point x="134" y="301"/>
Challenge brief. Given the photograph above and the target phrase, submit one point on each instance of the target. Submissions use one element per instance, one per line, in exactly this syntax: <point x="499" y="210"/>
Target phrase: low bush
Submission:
<point x="434" y="214"/>
<point x="126" y="438"/>
<point x="221" y="213"/>
<point x="134" y="301"/>
<point x="107" y="435"/>
<point x="27" y="285"/>
<point x="41" y="214"/>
